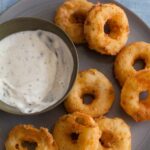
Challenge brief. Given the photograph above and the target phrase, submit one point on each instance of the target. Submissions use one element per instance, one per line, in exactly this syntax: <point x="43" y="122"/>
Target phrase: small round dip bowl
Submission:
<point x="31" y="24"/>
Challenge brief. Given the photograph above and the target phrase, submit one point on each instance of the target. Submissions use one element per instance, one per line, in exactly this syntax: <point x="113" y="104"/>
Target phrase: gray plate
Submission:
<point x="88" y="59"/>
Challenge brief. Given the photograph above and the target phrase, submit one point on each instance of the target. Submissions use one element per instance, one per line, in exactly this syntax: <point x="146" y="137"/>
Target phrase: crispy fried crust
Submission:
<point x="28" y="133"/>
<point x="112" y="41"/>
<point x="116" y="134"/>
<point x="70" y="17"/>
<point x="95" y="83"/>
<point x="126" y="58"/>
<point x="85" y="128"/>
<point x="138" y="109"/>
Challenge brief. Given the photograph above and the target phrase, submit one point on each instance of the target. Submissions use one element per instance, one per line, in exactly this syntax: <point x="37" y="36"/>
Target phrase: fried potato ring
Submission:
<point x="70" y="16"/>
<point x="76" y="131"/>
<point x="115" y="134"/>
<point x="94" y="83"/>
<point x="138" y="109"/>
<point x="113" y="18"/>
<point x="27" y="133"/>
<point x="127" y="57"/>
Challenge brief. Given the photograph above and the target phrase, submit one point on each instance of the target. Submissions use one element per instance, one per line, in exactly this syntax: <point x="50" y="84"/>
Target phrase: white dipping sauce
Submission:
<point x="35" y="70"/>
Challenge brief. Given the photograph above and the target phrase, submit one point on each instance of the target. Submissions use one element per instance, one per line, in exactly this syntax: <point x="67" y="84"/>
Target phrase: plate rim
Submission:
<point x="114" y="1"/>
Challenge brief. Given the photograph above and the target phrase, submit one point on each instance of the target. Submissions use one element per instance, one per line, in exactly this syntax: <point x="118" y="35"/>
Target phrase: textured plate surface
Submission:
<point x="88" y="59"/>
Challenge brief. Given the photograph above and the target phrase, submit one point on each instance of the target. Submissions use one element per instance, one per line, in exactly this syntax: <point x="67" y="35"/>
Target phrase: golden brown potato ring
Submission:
<point x="115" y="134"/>
<point x="130" y="96"/>
<point x="91" y="82"/>
<point x="42" y="139"/>
<point x="70" y="16"/>
<point x="113" y="18"/>
<point x="76" y="131"/>
<point x="128" y="56"/>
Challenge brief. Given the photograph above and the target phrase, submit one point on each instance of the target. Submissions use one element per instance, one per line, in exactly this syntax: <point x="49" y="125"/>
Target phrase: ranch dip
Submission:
<point x="35" y="70"/>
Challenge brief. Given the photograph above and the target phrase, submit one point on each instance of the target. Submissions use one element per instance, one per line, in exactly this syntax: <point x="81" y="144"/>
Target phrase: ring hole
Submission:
<point x="88" y="98"/>
<point x="111" y="28"/>
<point x="139" y="64"/>
<point x="29" y="145"/>
<point x="107" y="28"/>
<point x="17" y="146"/>
<point x="143" y="95"/>
<point x="107" y="139"/>
<point x="74" y="137"/>
<point x="78" y="17"/>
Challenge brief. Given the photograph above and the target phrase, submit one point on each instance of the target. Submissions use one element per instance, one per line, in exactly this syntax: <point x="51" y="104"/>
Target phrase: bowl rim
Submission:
<point x="73" y="52"/>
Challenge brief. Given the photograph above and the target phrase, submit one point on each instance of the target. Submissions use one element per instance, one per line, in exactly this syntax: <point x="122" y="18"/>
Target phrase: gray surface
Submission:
<point x="88" y="59"/>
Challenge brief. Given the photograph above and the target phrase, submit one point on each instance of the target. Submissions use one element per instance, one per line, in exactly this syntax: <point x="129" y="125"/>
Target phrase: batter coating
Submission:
<point x="115" y="134"/>
<point x="138" y="109"/>
<point x="106" y="28"/>
<point x="76" y="131"/>
<point x="127" y="57"/>
<point x="20" y="134"/>
<point x="91" y="82"/>
<point x="70" y="16"/>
